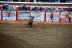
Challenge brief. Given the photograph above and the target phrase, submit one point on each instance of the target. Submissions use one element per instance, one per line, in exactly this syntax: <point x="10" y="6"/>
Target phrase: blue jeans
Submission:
<point x="51" y="19"/>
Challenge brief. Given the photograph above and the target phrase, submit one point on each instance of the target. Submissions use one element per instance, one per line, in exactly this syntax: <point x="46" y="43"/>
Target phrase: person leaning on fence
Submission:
<point x="69" y="17"/>
<point x="60" y="18"/>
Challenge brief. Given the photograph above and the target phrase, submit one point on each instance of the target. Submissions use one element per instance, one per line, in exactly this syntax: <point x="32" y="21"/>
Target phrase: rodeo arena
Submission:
<point x="35" y="24"/>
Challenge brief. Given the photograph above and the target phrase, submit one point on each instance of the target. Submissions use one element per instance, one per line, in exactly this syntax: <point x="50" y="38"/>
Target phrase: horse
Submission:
<point x="30" y="21"/>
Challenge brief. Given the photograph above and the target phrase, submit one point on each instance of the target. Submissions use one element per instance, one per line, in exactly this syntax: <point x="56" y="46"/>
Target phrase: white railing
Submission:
<point x="35" y="3"/>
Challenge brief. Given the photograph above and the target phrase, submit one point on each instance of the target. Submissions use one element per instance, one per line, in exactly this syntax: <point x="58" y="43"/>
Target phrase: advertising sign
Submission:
<point x="38" y="16"/>
<point x="9" y="15"/>
<point x="23" y="15"/>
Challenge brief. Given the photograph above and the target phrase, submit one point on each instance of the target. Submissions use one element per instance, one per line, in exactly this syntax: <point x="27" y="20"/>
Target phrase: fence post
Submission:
<point x="16" y="13"/>
<point x="1" y="14"/>
<point x="44" y="15"/>
<point x="30" y="11"/>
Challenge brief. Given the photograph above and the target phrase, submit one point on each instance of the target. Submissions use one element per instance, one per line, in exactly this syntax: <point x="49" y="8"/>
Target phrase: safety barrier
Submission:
<point x="38" y="16"/>
<point x="0" y="14"/>
<point x="9" y="15"/>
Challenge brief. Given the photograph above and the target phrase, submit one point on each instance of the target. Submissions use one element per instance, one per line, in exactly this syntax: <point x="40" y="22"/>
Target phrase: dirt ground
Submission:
<point x="16" y="34"/>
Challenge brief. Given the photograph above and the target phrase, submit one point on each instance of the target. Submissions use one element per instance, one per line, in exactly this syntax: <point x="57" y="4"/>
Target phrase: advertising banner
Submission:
<point x="63" y="14"/>
<point x="23" y="15"/>
<point x="9" y="15"/>
<point x="38" y="16"/>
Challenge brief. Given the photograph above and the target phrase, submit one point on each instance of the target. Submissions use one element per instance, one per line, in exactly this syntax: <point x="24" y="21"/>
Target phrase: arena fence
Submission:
<point x="9" y="15"/>
<point x="23" y="15"/>
<point x="56" y="16"/>
<point x="38" y="16"/>
<point x="0" y="14"/>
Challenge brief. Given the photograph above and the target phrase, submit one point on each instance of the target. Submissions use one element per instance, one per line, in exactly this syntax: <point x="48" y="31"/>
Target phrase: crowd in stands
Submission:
<point x="8" y="7"/>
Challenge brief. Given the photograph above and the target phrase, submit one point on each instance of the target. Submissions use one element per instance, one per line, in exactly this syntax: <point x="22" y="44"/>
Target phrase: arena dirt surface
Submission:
<point x="16" y="34"/>
<point x="25" y="22"/>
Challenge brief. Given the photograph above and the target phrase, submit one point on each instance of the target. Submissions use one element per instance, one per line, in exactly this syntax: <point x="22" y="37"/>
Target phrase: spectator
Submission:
<point x="51" y="9"/>
<point x="23" y="7"/>
<point x="8" y="7"/>
<point x="38" y="8"/>
<point x="47" y="9"/>
<point x="69" y="17"/>
<point x="69" y="9"/>
<point x="28" y="7"/>
<point x="60" y="9"/>
<point x="14" y="7"/>
<point x="19" y="8"/>
<point x="32" y="8"/>
<point x="56" y="9"/>
<point x="35" y="7"/>
<point x="41" y="8"/>
<point x="3" y="7"/>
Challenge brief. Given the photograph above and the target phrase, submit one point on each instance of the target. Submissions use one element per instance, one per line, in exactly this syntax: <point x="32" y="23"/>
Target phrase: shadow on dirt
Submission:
<point x="7" y="41"/>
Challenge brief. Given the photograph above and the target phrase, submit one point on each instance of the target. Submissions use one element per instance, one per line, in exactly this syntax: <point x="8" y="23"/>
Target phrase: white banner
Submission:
<point x="63" y="14"/>
<point x="38" y="16"/>
<point x="23" y="15"/>
<point x="9" y="15"/>
<point x="48" y="16"/>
